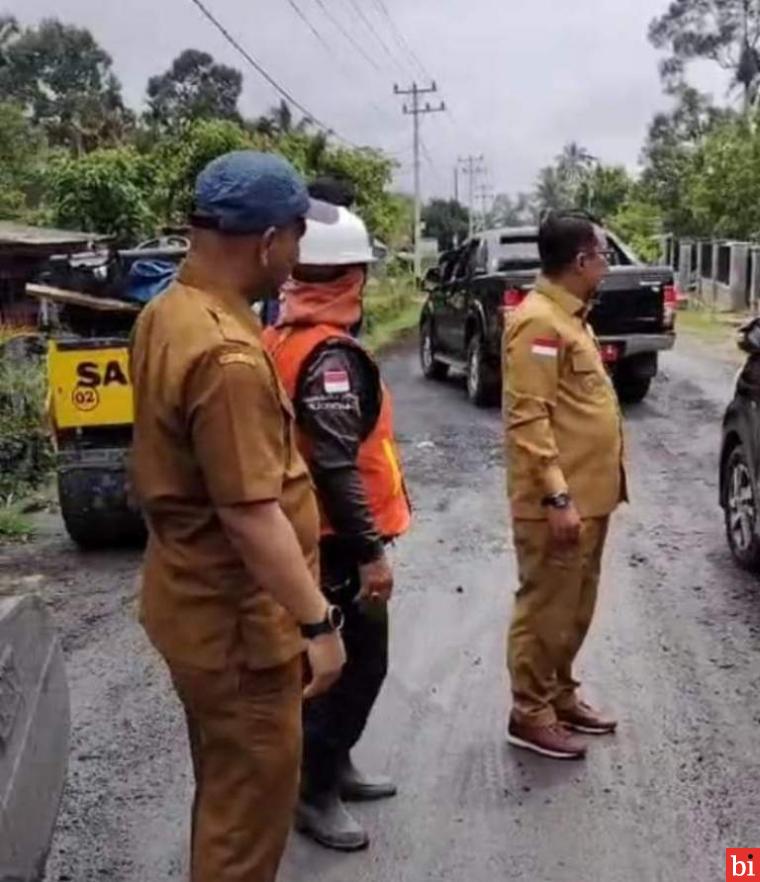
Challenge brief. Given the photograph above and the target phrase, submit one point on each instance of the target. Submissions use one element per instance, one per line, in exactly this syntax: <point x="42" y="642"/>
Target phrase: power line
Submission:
<point x="330" y="51"/>
<point x="406" y="47"/>
<point x="362" y="15"/>
<point x="348" y="35"/>
<point x="265" y="74"/>
<point x="299" y="12"/>
<point x="401" y="39"/>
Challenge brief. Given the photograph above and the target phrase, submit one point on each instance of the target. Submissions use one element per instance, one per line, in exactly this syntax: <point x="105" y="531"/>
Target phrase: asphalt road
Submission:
<point x="675" y="652"/>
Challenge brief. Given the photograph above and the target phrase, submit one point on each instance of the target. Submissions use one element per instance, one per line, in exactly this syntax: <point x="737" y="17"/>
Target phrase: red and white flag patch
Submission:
<point x="545" y="347"/>
<point x="337" y="382"/>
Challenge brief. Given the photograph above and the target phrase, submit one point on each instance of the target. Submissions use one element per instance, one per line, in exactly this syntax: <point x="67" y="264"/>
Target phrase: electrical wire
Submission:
<point x="349" y="36"/>
<point x="363" y="16"/>
<point x="299" y="12"/>
<point x="265" y="74"/>
<point x="401" y="39"/>
<point x="331" y="52"/>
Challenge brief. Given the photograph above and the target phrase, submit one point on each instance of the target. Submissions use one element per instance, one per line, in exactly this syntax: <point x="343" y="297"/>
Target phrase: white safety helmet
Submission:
<point x="342" y="243"/>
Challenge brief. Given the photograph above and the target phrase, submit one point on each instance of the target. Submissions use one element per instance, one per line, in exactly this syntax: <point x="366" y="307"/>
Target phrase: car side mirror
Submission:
<point x="749" y="337"/>
<point x="431" y="279"/>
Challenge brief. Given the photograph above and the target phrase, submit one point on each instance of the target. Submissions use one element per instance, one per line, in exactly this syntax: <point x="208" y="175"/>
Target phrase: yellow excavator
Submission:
<point x="88" y="323"/>
<point x="90" y="411"/>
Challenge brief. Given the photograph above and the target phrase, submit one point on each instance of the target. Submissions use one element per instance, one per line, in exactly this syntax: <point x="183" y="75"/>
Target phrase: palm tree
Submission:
<point x="574" y="165"/>
<point x="552" y="192"/>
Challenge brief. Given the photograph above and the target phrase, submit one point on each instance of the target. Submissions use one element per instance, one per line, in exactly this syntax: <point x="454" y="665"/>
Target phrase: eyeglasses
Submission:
<point x="607" y="255"/>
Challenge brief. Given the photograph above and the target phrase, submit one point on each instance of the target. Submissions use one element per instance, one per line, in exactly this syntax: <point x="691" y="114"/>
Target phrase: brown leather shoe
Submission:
<point x="553" y="740"/>
<point x="583" y="718"/>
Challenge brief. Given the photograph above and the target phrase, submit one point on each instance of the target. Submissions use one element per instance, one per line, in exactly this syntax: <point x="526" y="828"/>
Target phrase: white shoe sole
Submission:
<point x="542" y="751"/>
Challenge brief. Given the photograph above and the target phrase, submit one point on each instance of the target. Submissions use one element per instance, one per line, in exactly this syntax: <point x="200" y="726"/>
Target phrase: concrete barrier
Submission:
<point x="34" y="737"/>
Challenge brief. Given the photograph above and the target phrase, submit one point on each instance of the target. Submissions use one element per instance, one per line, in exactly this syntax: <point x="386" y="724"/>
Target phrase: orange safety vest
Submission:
<point x="378" y="461"/>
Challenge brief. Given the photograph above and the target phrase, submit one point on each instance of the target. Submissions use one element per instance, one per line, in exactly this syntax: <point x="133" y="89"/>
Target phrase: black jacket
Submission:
<point x="337" y="402"/>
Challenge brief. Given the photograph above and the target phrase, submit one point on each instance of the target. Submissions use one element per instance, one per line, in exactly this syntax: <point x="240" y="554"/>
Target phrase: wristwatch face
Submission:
<point x="336" y="618"/>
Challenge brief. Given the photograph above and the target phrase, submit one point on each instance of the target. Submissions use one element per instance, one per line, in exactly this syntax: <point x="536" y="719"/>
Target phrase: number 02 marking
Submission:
<point x="85" y="399"/>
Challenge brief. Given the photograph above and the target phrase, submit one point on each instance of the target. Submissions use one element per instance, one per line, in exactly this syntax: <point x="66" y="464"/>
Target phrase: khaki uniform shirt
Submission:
<point x="213" y="427"/>
<point x="563" y="421"/>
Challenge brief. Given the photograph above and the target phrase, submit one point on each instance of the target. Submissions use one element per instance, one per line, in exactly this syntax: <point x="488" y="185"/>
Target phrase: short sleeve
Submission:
<point x="237" y="425"/>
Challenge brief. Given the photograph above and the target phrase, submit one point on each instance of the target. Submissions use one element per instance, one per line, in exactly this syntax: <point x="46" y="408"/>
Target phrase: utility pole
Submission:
<point x="416" y="110"/>
<point x="456" y="183"/>
<point x="472" y="166"/>
<point x="485" y="194"/>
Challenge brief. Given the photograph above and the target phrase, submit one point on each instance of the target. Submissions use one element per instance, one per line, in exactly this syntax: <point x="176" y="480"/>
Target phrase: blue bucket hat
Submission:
<point x="246" y="192"/>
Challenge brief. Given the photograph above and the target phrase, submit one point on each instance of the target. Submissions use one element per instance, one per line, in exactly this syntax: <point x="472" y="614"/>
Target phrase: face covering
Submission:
<point x="336" y="303"/>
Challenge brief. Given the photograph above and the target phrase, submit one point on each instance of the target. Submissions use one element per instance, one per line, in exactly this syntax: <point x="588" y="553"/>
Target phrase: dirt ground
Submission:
<point x="675" y="652"/>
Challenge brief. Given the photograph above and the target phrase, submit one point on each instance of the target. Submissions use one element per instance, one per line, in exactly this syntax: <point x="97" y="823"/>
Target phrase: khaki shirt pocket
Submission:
<point x="587" y="371"/>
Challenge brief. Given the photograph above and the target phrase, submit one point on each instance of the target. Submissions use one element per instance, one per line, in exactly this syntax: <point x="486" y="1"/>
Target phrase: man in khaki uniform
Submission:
<point x="566" y="476"/>
<point x="231" y="565"/>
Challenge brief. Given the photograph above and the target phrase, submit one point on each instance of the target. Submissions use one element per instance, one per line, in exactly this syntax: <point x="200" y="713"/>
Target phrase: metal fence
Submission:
<point x="720" y="274"/>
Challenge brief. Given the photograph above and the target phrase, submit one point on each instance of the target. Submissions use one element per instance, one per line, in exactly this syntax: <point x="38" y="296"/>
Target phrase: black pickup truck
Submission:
<point x="475" y="286"/>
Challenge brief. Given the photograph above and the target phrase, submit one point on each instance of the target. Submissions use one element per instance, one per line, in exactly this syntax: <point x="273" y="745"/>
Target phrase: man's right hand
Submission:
<point x="327" y="655"/>
<point x="376" y="580"/>
<point x="565" y="525"/>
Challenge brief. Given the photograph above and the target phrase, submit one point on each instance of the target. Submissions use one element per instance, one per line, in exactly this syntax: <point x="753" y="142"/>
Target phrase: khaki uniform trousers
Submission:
<point x="245" y="737"/>
<point x="553" y="610"/>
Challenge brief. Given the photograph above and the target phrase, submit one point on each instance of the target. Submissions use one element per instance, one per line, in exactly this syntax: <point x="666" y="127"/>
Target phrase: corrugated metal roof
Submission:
<point x="14" y="235"/>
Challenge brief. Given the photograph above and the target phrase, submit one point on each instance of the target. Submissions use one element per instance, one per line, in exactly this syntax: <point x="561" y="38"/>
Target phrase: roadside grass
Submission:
<point x="14" y="525"/>
<point x="714" y="326"/>
<point x="391" y="309"/>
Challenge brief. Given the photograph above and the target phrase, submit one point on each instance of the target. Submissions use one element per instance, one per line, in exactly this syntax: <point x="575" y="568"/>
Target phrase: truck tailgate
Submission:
<point x="631" y="301"/>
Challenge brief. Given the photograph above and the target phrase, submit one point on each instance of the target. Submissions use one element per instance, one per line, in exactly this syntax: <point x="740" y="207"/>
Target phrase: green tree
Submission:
<point x="574" y="165"/>
<point x="108" y="191"/>
<point x="507" y="211"/>
<point x="9" y="30"/>
<point x="638" y="223"/>
<point x="64" y="81"/>
<point x="181" y="157"/>
<point x="23" y="153"/>
<point x="447" y="221"/>
<point x="724" y="189"/>
<point x="726" y="32"/>
<point x="552" y="190"/>
<point x="669" y="154"/>
<point x="371" y="172"/>
<point x="604" y="190"/>
<point x="195" y="87"/>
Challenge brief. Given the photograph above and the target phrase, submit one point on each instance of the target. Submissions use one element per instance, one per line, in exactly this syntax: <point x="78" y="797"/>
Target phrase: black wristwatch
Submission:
<point x="332" y="622"/>
<point x="557" y="500"/>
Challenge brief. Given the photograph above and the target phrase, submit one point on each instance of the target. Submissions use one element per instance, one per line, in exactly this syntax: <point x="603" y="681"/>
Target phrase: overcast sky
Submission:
<point x="521" y="77"/>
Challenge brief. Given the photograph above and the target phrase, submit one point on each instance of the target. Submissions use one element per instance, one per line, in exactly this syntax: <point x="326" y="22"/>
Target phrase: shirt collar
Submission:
<point x="568" y="302"/>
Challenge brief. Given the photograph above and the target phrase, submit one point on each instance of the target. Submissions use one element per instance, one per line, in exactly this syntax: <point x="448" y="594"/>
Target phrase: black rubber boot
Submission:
<point x="358" y="787"/>
<point x="327" y="821"/>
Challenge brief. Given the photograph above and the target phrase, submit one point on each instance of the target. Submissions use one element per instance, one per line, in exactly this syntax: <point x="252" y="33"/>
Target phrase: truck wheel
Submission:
<point x="432" y="369"/>
<point x="741" y="512"/>
<point x="94" y="521"/>
<point x="633" y="390"/>
<point x="482" y="388"/>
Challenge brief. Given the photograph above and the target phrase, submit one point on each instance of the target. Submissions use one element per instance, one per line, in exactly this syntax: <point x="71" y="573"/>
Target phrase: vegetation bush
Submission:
<point x="26" y="456"/>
